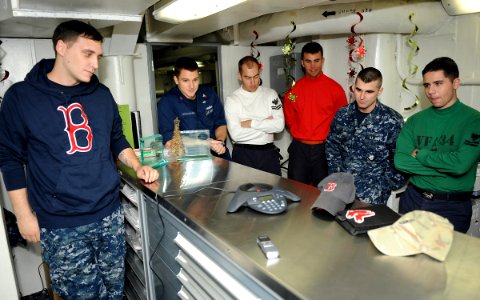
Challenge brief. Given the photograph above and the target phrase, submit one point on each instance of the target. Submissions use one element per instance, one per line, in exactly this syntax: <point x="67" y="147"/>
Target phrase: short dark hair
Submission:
<point x="445" y="64"/>
<point x="370" y="74"/>
<point x="69" y="31"/>
<point x="186" y="63"/>
<point x="249" y="61"/>
<point x="312" y="47"/>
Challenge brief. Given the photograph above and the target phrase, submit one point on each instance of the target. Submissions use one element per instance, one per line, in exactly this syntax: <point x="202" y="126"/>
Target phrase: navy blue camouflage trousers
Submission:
<point x="88" y="261"/>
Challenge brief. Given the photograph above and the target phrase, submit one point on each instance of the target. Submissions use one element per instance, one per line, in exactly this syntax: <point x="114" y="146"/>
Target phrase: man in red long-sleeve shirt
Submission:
<point x="309" y="108"/>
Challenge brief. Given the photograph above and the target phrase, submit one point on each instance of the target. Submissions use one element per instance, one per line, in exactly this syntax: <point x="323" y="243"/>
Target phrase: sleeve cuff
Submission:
<point x="119" y="147"/>
<point x="14" y="179"/>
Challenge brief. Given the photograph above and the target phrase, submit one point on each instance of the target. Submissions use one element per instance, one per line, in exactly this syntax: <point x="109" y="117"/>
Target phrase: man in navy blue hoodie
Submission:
<point x="59" y="132"/>
<point x="196" y="106"/>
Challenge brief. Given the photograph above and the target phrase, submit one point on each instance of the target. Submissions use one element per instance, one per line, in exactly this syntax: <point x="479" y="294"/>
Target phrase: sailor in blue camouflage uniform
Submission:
<point x="362" y="141"/>
<point x="107" y="237"/>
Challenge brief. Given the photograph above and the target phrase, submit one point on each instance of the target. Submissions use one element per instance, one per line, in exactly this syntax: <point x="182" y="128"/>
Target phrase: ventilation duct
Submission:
<point x="461" y="7"/>
<point x="379" y="17"/>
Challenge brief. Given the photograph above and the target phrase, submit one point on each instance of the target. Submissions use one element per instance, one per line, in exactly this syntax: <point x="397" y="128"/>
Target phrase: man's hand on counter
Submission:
<point x="154" y="186"/>
<point x="147" y="173"/>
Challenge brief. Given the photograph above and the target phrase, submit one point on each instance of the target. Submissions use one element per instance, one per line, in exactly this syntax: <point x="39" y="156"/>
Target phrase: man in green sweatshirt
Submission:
<point x="440" y="148"/>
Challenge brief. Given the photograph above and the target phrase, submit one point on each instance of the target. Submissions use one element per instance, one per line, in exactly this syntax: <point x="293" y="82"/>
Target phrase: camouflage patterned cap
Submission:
<point x="415" y="232"/>
<point x="336" y="191"/>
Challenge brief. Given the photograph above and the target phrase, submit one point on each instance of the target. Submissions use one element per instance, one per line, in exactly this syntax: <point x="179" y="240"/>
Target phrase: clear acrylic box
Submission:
<point x="151" y="151"/>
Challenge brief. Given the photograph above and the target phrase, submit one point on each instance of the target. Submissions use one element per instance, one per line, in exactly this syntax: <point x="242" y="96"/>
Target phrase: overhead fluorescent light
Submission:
<point x="461" y="7"/>
<point x="178" y="11"/>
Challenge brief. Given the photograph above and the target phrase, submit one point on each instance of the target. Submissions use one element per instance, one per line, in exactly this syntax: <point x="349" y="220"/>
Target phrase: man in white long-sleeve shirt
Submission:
<point x="254" y="113"/>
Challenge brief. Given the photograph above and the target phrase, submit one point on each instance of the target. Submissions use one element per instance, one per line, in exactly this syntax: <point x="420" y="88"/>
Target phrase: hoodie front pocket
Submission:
<point x="84" y="188"/>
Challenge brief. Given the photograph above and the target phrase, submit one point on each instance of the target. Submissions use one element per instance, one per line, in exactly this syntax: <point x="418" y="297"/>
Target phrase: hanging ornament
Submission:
<point x="352" y="72"/>
<point x="356" y="54"/>
<point x="289" y="58"/>
<point x="3" y="73"/>
<point x="360" y="52"/>
<point x="351" y="40"/>
<point x="254" y="52"/>
<point x="412" y="68"/>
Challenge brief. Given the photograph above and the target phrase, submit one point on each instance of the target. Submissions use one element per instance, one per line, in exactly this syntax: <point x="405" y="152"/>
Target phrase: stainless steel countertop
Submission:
<point x="318" y="258"/>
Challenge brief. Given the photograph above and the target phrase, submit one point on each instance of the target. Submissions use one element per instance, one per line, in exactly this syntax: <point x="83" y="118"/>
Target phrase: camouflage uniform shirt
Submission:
<point x="366" y="150"/>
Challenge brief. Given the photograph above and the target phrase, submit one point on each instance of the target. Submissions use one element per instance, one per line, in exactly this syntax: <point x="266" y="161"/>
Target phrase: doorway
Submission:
<point x="164" y="57"/>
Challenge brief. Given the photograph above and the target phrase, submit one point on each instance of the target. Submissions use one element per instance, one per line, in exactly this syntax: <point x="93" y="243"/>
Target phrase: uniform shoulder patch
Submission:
<point x="276" y="104"/>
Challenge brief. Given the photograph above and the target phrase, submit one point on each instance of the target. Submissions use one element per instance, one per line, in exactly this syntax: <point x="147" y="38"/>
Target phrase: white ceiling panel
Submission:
<point x="37" y="18"/>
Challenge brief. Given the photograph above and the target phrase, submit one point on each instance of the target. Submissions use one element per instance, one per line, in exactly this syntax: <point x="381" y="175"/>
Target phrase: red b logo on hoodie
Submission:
<point x="71" y="128"/>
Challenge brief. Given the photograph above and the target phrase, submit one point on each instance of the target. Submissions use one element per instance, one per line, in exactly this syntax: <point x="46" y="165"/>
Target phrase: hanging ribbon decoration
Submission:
<point x="3" y="74"/>
<point x="412" y="68"/>
<point x="253" y="49"/>
<point x="355" y="55"/>
<point x="254" y="52"/>
<point x="288" y="53"/>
